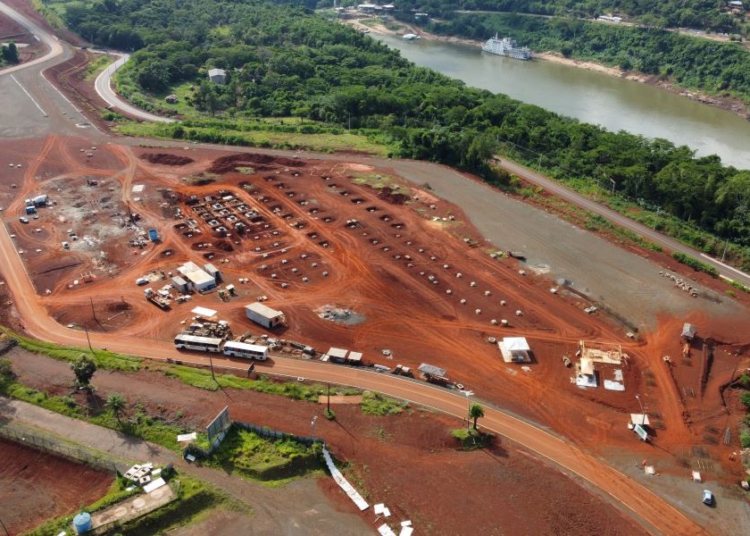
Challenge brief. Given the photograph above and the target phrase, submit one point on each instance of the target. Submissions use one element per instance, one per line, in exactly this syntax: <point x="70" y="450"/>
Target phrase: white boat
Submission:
<point x="506" y="47"/>
<point x="410" y="37"/>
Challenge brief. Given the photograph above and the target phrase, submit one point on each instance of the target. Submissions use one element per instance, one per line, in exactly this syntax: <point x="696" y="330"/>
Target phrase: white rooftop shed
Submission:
<point x="514" y="350"/>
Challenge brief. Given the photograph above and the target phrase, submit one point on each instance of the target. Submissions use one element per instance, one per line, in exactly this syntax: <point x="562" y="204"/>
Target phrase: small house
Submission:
<point x="217" y="76"/>
<point x="354" y="358"/>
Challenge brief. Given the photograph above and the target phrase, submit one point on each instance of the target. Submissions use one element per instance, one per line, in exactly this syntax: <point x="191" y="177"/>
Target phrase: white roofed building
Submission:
<point x="514" y="350"/>
<point x="263" y="315"/>
<point x="198" y="278"/>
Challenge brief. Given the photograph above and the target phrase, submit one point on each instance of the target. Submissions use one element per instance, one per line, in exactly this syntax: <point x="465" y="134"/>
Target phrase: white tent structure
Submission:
<point x="514" y="350"/>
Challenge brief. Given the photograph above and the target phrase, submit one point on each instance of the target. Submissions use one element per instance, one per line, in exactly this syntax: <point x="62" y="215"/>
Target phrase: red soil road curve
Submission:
<point x="652" y="509"/>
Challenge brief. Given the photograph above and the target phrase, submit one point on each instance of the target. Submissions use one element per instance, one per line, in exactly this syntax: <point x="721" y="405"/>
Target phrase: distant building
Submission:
<point x="514" y="350"/>
<point x="264" y="315"/>
<point x="213" y="271"/>
<point x="367" y="8"/>
<point x="689" y="331"/>
<point x="735" y="3"/>
<point x="198" y="278"/>
<point x="217" y="76"/>
<point x="179" y="284"/>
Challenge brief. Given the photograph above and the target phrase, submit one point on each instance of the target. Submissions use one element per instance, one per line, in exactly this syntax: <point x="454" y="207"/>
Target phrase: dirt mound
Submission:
<point x="227" y="164"/>
<point x="165" y="159"/>
<point x="116" y="307"/>
<point x="393" y="196"/>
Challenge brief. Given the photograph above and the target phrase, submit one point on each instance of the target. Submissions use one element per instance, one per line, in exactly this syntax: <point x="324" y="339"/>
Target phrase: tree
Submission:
<point x="84" y="369"/>
<point x="745" y="399"/>
<point x="116" y="404"/>
<point x="10" y="53"/>
<point x="476" y="412"/>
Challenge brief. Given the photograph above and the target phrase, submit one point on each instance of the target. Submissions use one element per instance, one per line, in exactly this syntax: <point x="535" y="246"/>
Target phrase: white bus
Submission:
<point x="249" y="351"/>
<point x="203" y="344"/>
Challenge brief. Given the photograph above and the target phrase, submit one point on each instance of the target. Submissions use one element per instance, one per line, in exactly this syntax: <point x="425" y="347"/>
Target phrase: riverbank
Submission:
<point x="730" y="104"/>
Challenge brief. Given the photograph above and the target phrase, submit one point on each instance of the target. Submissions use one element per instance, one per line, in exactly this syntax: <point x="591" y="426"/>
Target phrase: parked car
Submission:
<point x="708" y="497"/>
<point x="23" y="220"/>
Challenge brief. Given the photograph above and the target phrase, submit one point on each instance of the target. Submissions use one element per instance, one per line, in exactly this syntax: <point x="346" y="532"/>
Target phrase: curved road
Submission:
<point x="618" y="219"/>
<point x="103" y="86"/>
<point x="654" y="511"/>
<point x="55" y="48"/>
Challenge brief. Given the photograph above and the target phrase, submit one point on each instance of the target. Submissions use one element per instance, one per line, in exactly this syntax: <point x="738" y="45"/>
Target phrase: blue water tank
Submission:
<point x="153" y="235"/>
<point x="82" y="522"/>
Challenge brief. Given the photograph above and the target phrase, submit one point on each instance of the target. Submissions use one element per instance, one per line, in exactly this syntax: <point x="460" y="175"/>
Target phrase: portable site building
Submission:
<point x="200" y="280"/>
<point x="213" y="271"/>
<point x="263" y="315"/>
<point x="179" y="284"/>
<point x="337" y="355"/>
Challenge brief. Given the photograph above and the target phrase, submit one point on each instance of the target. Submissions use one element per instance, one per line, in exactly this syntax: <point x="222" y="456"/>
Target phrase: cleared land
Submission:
<point x="337" y="233"/>
<point x="36" y="486"/>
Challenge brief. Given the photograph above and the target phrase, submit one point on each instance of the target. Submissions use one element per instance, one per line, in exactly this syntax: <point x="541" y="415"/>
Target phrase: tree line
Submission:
<point x="283" y="60"/>
<point x="709" y="15"/>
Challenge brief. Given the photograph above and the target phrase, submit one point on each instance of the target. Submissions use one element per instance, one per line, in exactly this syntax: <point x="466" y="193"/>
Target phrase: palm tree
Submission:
<point x="116" y="404"/>
<point x="476" y="412"/>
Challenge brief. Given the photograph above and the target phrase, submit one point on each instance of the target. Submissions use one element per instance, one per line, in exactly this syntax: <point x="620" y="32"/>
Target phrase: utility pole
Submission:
<point x="329" y="399"/>
<point x="93" y="311"/>
<point x="86" y="329"/>
<point x="313" y="427"/>
<point x="4" y="528"/>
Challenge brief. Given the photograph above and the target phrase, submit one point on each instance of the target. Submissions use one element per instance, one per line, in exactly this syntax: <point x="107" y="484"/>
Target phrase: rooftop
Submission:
<point x="263" y="310"/>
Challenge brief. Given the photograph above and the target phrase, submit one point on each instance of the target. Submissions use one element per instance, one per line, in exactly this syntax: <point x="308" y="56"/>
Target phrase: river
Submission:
<point x="592" y="97"/>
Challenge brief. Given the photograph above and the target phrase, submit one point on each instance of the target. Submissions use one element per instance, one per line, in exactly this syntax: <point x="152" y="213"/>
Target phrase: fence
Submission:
<point x="265" y="433"/>
<point x="66" y="450"/>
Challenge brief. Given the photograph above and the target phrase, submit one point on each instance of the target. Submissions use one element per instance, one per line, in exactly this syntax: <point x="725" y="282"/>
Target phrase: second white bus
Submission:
<point x="248" y="351"/>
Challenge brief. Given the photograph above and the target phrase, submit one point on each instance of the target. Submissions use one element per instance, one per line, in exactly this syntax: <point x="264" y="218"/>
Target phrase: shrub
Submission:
<point x="745" y="440"/>
<point x="695" y="264"/>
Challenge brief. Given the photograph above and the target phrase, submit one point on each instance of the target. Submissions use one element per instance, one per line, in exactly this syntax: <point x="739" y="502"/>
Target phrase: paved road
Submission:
<point x="54" y="46"/>
<point x="618" y="219"/>
<point x="103" y="86"/>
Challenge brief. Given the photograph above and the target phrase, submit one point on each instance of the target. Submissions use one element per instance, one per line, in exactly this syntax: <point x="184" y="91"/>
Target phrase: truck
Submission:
<point x="160" y="301"/>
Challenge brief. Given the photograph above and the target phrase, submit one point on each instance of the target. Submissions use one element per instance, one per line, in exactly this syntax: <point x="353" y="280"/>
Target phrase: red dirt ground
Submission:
<point x="36" y="486"/>
<point x="408" y="461"/>
<point x="298" y="218"/>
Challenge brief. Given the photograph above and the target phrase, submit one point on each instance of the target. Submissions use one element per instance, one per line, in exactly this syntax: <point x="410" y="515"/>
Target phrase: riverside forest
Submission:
<point x="709" y="15"/>
<point x="283" y="60"/>
<point x="713" y="67"/>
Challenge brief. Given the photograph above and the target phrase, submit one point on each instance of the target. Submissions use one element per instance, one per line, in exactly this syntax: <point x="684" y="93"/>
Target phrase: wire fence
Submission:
<point x="66" y="450"/>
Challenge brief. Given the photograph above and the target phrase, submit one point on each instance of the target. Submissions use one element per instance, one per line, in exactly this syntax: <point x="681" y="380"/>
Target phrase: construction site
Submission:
<point x="296" y="256"/>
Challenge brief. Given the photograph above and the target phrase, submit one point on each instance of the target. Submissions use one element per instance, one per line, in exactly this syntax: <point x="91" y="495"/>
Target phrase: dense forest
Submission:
<point x="710" y="66"/>
<point x="284" y="60"/>
<point x="710" y="15"/>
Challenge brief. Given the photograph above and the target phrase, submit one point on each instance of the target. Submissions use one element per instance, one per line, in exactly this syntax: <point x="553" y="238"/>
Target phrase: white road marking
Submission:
<point x="29" y="96"/>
